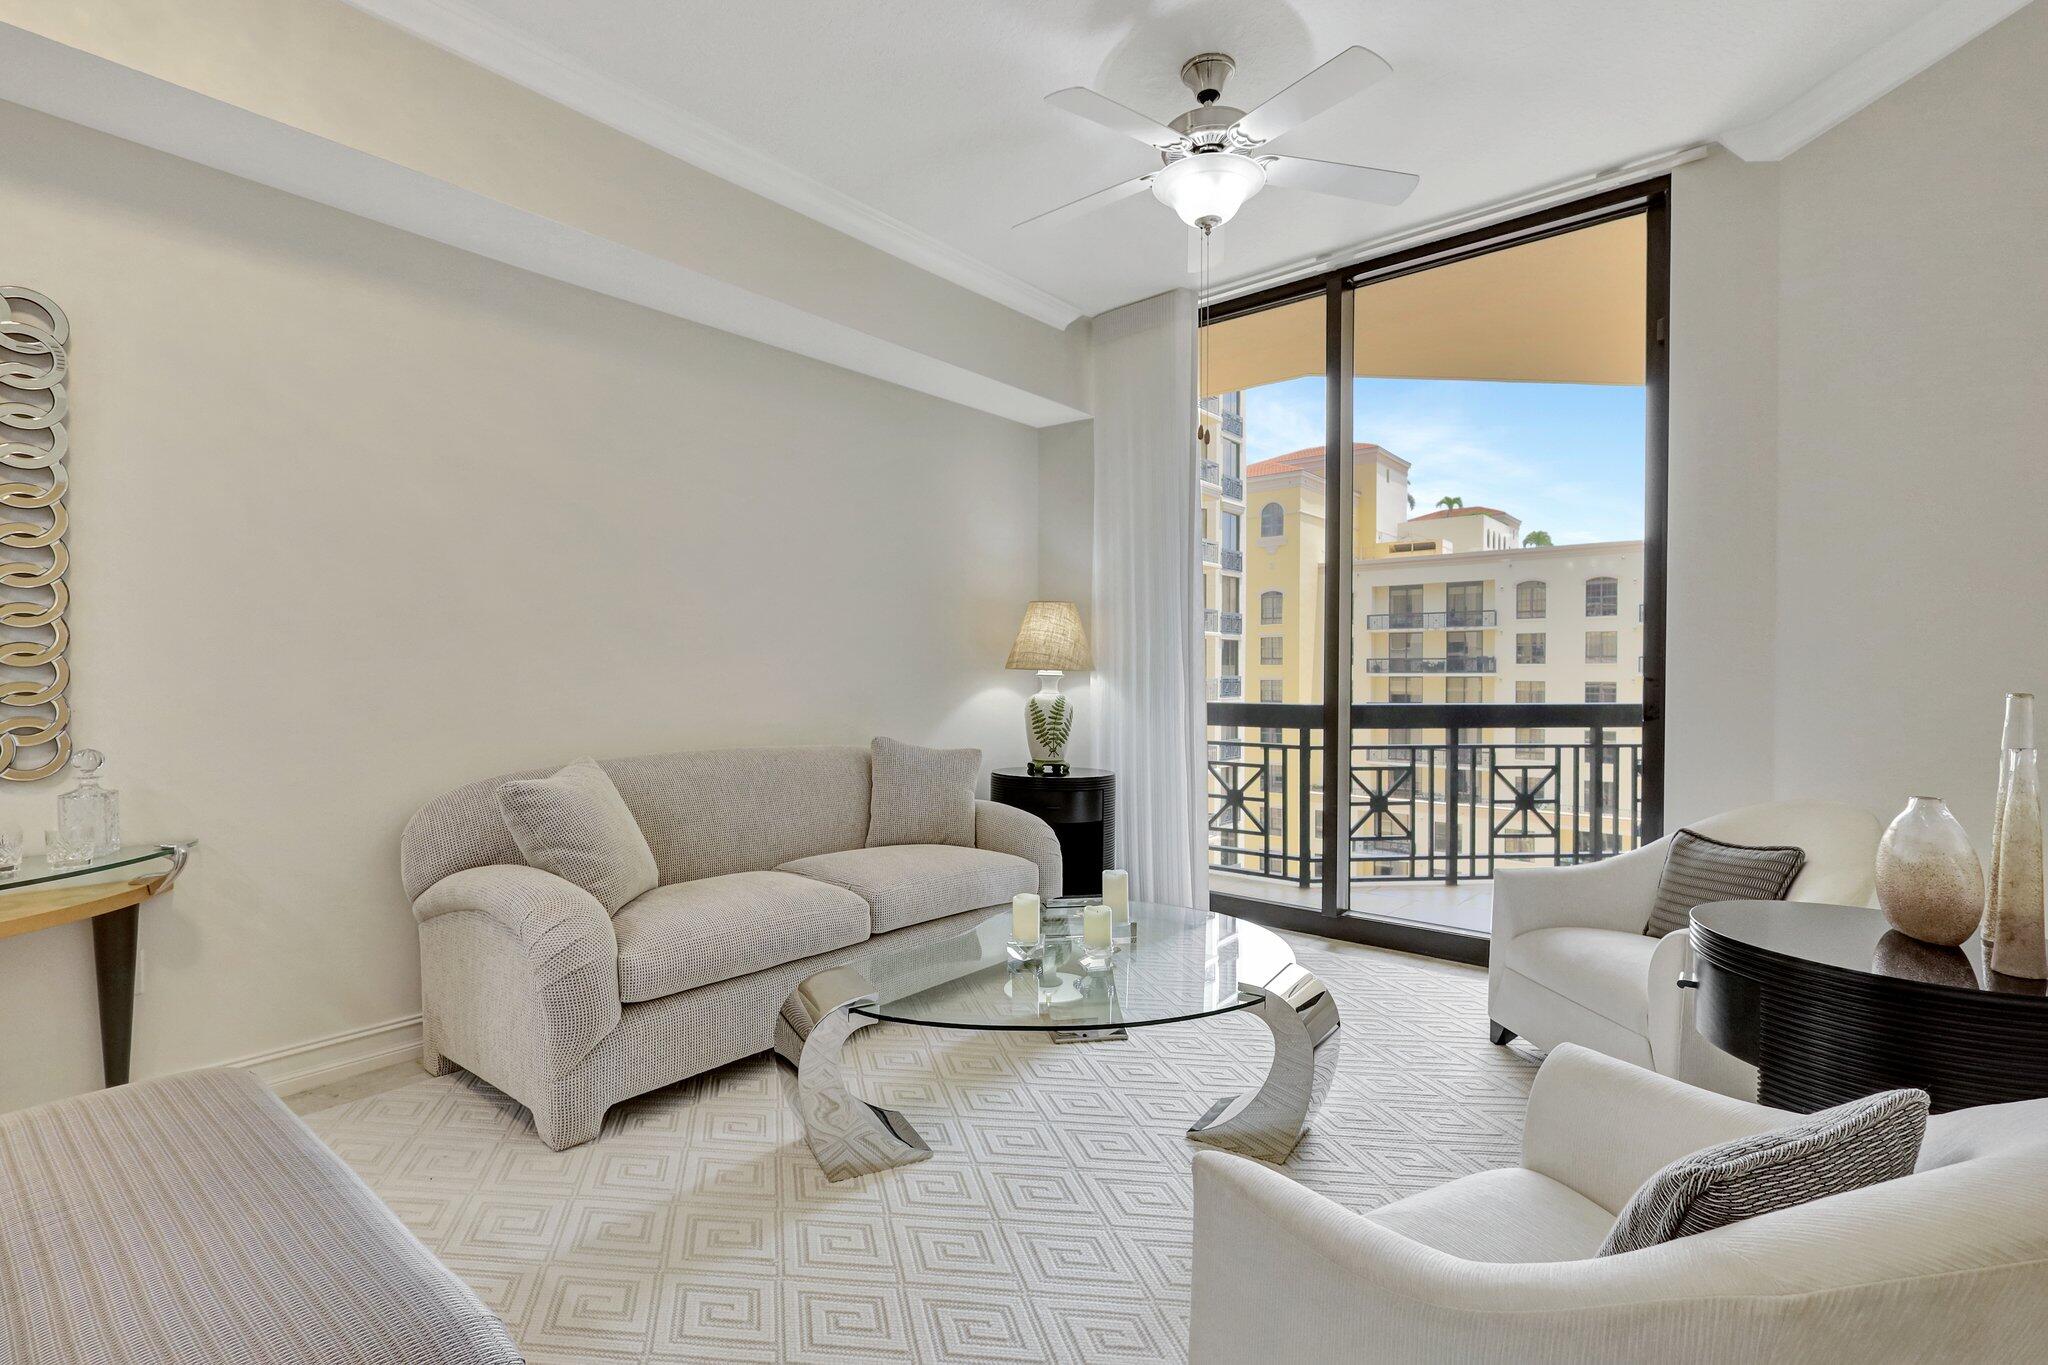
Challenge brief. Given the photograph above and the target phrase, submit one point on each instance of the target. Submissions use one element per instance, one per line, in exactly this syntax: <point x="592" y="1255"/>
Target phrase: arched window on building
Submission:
<point x="1272" y="520"/>
<point x="1270" y="605"/>
<point x="1602" y="597"/>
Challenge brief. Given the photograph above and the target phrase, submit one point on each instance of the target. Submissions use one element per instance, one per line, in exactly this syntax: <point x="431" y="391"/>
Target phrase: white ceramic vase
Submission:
<point x="1929" y="882"/>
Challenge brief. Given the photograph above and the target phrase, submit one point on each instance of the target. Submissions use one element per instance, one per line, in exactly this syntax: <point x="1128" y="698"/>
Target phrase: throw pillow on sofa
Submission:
<point x="1863" y="1142"/>
<point x="921" y="796"/>
<point x="577" y="826"/>
<point x="1699" y="871"/>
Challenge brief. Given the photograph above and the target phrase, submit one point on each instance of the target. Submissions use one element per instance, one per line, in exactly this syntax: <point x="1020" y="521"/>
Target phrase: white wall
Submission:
<point x="1911" y="400"/>
<point x="357" y="517"/>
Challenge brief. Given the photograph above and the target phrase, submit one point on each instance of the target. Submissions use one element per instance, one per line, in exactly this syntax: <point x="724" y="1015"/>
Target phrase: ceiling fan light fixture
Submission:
<point x="1208" y="187"/>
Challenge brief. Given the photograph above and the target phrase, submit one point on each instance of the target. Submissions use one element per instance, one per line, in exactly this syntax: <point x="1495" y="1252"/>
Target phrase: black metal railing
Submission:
<point x="1419" y="663"/>
<point x="1233" y="623"/>
<point x="1211" y="618"/>
<point x="1439" y="792"/>
<point x="1212" y="473"/>
<point x="1233" y="487"/>
<point x="1433" y="620"/>
<point x="1212" y="553"/>
<point x="1233" y="560"/>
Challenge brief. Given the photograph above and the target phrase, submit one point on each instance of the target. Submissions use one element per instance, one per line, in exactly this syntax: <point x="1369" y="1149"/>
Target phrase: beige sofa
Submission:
<point x="531" y="985"/>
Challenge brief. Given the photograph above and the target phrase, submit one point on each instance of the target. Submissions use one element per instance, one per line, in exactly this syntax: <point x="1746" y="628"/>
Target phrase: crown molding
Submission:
<point x="1868" y="79"/>
<point x="96" y="93"/>
<point x="459" y="27"/>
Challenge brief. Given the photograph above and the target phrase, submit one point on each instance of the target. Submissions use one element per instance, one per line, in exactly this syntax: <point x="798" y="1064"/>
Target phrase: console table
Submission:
<point x="38" y="895"/>
<point x="1080" y="807"/>
<point x="1830" y="1003"/>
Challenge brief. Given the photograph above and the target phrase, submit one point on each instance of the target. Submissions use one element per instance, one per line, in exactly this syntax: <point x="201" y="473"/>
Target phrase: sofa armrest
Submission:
<point x="1006" y="829"/>
<point x="1603" y="1127"/>
<point x="1614" y="893"/>
<point x="565" y="936"/>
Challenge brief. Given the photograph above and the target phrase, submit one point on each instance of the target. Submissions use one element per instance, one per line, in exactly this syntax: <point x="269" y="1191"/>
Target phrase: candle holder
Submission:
<point x="1027" y="930"/>
<point x="1024" y="954"/>
<point x="1098" y="939"/>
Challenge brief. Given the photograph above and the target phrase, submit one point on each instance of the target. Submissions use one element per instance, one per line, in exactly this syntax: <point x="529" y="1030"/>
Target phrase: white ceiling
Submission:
<point x="928" y="114"/>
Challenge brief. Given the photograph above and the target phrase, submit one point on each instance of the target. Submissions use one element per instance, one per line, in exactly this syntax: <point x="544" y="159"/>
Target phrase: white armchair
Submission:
<point x="1570" y="962"/>
<point x="1949" y="1263"/>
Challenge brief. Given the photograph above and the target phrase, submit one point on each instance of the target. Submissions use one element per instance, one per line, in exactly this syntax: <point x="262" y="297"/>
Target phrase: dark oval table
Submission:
<point x="1830" y="1003"/>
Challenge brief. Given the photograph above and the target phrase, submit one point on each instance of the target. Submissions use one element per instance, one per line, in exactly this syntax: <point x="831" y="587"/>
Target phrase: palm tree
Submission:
<point x="1537" y="538"/>
<point x="1447" y="502"/>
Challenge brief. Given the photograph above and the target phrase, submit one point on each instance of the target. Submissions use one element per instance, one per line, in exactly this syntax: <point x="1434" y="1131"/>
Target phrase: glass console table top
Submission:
<point x="35" y="869"/>
<point x="1179" y="964"/>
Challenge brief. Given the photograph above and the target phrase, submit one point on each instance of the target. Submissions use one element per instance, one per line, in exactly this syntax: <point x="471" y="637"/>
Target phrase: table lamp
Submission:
<point x="1050" y="640"/>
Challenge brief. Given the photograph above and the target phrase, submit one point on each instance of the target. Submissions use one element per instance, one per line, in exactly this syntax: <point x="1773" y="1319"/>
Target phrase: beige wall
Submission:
<point x="1721" y="616"/>
<point x="1876" y="369"/>
<point x="1913" y="432"/>
<point x="357" y="517"/>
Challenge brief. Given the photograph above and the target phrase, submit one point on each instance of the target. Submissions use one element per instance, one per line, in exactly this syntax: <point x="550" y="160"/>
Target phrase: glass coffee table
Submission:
<point x="1177" y="965"/>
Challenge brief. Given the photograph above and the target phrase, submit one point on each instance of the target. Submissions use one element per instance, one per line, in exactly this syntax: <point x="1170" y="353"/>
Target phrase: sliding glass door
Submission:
<point x="1455" y="663"/>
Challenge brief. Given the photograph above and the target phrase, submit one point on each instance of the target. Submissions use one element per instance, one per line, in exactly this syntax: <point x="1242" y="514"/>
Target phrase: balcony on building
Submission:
<point x="1431" y="663"/>
<point x="1487" y="619"/>
<point x="1233" y="488"/>
<point x="1442" y="796"/>
<point x="1211" y="619"/>
<point x="1212" y="553"/>
<point x="1212" y="475"/>
<point x="1233" y="623"/>
<point x="1226" y="689"/>
<point x="1233" y="560"/>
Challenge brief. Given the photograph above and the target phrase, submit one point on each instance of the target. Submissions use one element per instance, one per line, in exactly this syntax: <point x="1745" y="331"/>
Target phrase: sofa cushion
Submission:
<point x="576" y="825"/>
<point x="1837" y="1150"/>
<point x="1699" y="871"/>
<point x="679" y="937"/>
<point x="1605" y="970"/>
<point x="921" y="796"/>
<point x="911" y="883"/>
<point x="1502" y="1216"/>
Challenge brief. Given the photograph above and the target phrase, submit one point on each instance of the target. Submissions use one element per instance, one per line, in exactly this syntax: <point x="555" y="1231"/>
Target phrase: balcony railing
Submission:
<point x="1212" y="473"/>
<point x="1212" y="553"/>
<point x="1211" y="618"/>
<point x="1456" y="808"/>
<point x="1433" y="620"/>
<point x="1225" y="689"/>
<point x="1233" y="623"/>
<point x="1416" y="663"/>
<point x="1233" y="560"/>
<point x="1233" y="487"/>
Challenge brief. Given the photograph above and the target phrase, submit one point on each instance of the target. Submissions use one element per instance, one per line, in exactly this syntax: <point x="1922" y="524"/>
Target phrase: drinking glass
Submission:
<point x="63" y="849"/>
<point x="10" y="849"/>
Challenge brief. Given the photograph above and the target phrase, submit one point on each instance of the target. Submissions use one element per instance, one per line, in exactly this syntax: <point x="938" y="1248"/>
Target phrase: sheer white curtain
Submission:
<point x="1148" y="594"/>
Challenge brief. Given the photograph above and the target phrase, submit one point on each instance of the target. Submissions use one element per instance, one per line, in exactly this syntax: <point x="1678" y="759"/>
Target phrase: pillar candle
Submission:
<point x="1024" y="918"/>
<point x="1116" y="894"/>
<point x="1095" y="931"/>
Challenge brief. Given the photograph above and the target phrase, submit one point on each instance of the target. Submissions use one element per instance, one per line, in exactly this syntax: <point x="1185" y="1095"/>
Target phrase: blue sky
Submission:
<point x="1565" y="458"/>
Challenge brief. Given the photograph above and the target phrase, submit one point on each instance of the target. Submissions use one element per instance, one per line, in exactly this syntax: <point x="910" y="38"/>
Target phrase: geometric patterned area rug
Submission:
<point x="1052" y="1222"/>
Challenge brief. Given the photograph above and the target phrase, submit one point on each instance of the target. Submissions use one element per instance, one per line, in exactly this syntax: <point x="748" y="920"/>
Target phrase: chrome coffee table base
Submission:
<point x="1301" y="1014"/>
<point x="849" y="1136"/>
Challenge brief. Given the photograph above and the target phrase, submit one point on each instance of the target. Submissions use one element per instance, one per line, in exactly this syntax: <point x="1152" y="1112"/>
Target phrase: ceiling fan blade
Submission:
<point x="1329" y="85"/>
<point x="1085" y="103"/>
<point x="1334" y="177"/>
<point x="1088" y="203"/>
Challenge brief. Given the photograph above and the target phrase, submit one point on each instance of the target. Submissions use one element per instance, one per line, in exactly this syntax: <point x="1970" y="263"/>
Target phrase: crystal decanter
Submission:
<point x="89" y="815"/>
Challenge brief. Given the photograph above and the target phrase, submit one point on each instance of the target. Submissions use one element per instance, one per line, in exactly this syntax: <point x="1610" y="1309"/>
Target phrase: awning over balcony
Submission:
<point x="1564" y="310"/>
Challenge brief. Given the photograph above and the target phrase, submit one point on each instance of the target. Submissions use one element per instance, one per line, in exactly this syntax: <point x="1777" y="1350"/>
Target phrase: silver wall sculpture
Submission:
<point x="35" y="716"/>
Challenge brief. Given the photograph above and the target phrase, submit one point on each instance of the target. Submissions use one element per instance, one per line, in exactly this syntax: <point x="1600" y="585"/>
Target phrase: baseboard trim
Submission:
<point x="323" y="1061"/>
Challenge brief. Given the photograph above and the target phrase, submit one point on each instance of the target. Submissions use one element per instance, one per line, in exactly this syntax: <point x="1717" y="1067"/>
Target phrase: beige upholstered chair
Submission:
<point x="1949" y="1263"/>
<point x="529" y="983"/>
<point x="1570" y="961"/>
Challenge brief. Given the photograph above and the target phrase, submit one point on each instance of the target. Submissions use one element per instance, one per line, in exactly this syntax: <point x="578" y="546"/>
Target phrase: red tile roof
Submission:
<point x="1310" y="460"/>
<point x="1467" y="512"/>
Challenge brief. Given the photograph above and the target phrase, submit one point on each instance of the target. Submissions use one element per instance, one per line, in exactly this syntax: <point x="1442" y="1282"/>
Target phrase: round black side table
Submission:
<point x="1830" y="1004"/>
<point x="1080" y="807"/>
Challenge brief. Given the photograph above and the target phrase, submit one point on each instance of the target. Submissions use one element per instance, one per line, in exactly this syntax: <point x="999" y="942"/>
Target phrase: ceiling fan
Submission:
<point x="1211" y="157"/>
